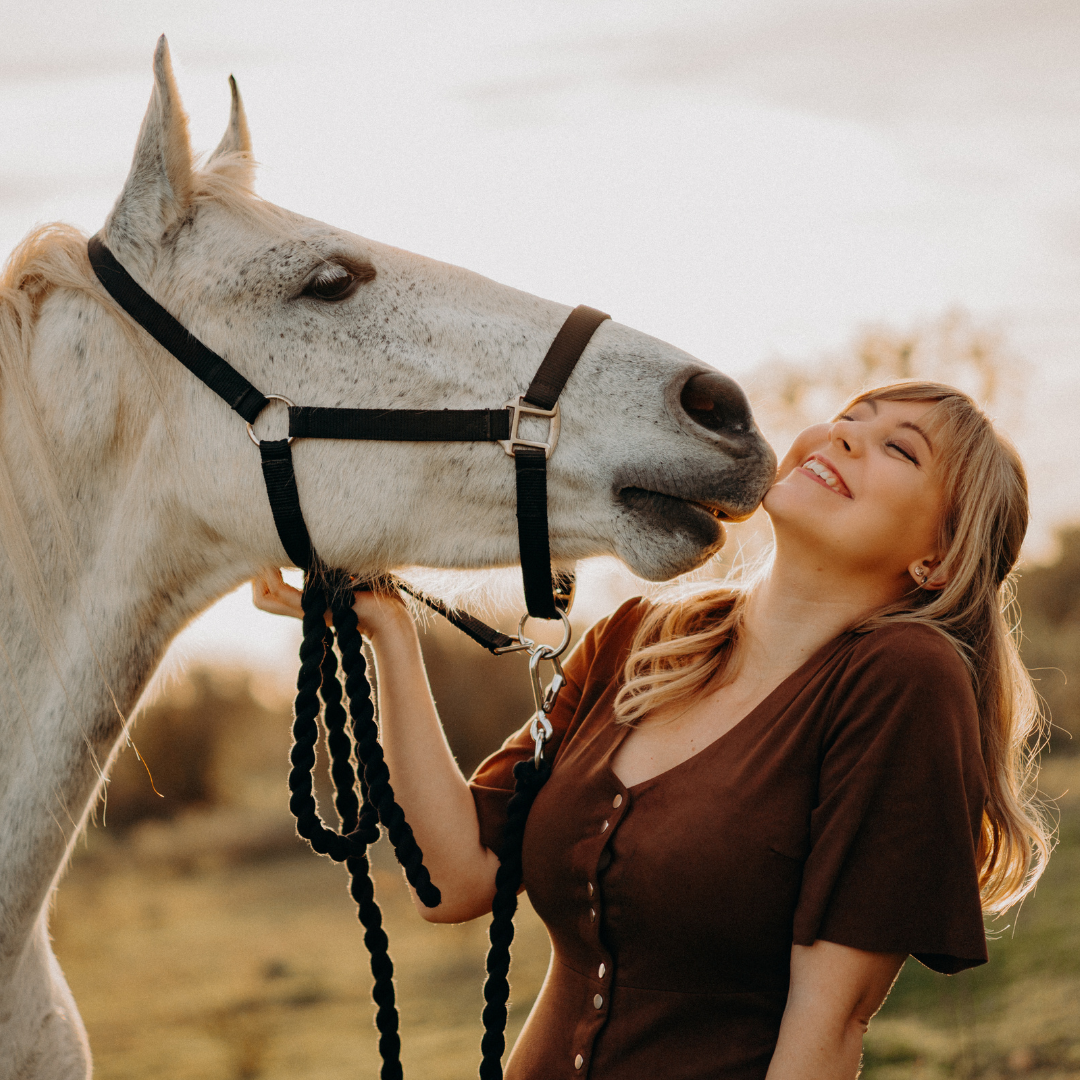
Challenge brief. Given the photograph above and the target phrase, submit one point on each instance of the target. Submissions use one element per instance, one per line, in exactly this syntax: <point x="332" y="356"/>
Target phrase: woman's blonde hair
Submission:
<point x="689" y="642"/>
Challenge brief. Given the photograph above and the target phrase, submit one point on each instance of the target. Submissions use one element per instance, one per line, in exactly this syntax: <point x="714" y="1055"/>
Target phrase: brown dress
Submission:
<point x="845" y="807"/>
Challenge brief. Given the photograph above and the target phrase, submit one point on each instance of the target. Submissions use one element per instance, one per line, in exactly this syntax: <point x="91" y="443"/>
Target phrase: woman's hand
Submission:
<point x="269" y="592"/>
<point x="375" y="611"/>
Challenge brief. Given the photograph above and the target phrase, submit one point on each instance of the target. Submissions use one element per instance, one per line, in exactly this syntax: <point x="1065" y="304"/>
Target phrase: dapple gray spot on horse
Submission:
<point x="131" y="497"/>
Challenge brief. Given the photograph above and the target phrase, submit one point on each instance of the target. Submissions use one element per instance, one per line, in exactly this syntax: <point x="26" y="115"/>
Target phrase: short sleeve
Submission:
<point x="594" y="660"/>
<point x="894" y="833"/>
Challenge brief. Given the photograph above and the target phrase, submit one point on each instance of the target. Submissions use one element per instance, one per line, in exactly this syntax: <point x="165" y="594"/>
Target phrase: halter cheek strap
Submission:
<point x="546" y="594"/>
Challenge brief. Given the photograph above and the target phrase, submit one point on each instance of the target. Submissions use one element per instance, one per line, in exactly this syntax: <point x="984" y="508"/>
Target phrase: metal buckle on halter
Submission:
<point x="519" y="407"/>
<point x="540" y="729"/>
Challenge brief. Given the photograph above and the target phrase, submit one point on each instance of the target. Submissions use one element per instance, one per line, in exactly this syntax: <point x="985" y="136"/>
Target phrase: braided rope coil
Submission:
<point x="355" y="730"/>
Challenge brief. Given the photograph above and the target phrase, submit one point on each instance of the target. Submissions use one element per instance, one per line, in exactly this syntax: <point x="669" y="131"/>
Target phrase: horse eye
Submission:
<point x="333" y="283"/>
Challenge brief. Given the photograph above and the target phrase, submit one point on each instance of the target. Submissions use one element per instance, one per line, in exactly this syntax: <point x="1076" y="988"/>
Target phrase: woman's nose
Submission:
<point x="842" y="433"/>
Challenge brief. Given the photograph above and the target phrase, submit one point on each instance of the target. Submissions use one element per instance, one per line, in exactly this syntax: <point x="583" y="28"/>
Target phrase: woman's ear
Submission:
<point x="927" y="574"/>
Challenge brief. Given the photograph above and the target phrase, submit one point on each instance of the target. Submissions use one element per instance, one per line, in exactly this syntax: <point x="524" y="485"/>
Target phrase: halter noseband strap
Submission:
<point x="545" y="594"/>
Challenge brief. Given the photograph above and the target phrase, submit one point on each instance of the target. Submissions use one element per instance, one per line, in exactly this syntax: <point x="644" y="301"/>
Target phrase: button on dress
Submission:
<point x="846" y="806"/>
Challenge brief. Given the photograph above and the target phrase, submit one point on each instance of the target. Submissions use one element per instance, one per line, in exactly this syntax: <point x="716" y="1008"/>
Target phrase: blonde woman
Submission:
<point x="764" y="797"/>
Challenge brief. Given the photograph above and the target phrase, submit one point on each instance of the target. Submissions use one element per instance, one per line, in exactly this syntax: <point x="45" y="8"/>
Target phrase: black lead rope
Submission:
<point x="318" y="690"/>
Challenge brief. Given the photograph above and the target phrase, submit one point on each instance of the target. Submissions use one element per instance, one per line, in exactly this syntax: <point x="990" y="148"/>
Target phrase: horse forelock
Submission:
<point x="226" y="181"/>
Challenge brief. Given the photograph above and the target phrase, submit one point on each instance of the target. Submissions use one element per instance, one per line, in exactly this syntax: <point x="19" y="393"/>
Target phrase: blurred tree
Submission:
<point x="790" y="395"/>
<point x="1049" y="599"/>
<point x="481" y="698"/>
<point x="190" y="740"/>
<point x="210" y="741"/>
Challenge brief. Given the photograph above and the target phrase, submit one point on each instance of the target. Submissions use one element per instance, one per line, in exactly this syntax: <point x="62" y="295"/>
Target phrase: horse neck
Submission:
<point x="123" y="573"/>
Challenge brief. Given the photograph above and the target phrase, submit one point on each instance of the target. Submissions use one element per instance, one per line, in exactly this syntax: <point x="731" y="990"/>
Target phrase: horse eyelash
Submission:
<point x="352" y="274"/>
<point x="330" y="272"/>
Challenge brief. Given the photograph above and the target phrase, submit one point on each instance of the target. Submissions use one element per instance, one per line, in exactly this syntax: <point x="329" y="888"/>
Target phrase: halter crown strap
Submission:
<point x="203" y="363"/>
<point x="562" y="355"/>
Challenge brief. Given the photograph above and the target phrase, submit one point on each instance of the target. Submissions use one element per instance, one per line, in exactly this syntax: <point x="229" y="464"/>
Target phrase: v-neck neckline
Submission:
<point x="790" y="684"/>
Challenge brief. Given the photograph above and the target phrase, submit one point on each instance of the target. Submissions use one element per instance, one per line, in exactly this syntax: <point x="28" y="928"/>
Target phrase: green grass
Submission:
<point x="1018" y="1015"/>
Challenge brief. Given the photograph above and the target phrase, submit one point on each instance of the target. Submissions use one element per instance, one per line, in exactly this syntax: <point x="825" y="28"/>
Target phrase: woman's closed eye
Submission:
<point x="909" y="454"/>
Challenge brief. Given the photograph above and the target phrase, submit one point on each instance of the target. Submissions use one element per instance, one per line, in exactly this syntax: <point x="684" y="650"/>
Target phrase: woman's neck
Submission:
<point x="798" y="606"/>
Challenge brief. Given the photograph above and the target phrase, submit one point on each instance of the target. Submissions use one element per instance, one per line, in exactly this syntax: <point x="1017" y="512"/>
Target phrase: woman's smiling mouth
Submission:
<point x="821" y="471"/>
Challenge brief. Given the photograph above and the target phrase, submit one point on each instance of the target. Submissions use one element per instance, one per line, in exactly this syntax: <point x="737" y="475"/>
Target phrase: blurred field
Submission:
<point x="191" y="959"/>
<point x="227" y="971"/>
<point x="203" y="940"/>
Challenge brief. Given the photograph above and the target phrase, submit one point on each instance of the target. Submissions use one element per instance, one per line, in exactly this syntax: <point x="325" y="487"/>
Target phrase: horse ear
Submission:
<point x="237" y="138"/>
<point x="158" y="189"/>
<point x="237" y="142"/>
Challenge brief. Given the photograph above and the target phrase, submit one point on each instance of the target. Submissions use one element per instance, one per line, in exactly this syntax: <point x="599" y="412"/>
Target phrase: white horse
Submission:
<point x="131" y="497"/>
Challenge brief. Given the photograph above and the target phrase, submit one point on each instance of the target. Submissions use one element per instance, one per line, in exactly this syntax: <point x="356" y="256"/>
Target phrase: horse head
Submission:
<point x="656" y="448"/>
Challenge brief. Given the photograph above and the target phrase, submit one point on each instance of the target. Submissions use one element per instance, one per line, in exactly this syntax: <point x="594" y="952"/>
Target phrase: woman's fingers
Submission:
<point x="269" y="592"/>
<point x="376" y="611"/>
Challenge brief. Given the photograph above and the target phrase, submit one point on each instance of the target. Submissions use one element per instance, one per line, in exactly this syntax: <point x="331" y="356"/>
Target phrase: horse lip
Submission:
<point x="675" y="511"/>
<point x="718" y="511"/>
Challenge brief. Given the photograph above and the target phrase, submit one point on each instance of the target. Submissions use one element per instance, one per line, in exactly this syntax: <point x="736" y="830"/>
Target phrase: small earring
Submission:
<point x="920" y="572"/>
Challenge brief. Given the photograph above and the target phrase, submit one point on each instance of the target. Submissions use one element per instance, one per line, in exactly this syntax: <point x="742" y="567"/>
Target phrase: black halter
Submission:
<point x="544" y="597"/>
<point x="319" y="691"/>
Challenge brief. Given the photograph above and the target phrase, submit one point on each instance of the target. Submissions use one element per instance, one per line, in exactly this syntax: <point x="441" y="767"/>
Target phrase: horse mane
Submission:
<point x="53" y="257"/>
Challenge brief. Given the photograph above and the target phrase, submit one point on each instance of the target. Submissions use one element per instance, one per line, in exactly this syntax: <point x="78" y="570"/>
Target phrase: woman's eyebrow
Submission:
<point x="919" y="431"/>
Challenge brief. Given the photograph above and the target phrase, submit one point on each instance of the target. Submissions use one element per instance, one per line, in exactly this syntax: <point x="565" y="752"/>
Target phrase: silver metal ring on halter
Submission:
<point x="251" y="426"/>
<point x="553" y="650"/>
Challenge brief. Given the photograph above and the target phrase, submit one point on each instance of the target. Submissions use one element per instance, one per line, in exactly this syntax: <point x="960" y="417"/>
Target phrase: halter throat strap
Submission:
<point x="546" y="594"/>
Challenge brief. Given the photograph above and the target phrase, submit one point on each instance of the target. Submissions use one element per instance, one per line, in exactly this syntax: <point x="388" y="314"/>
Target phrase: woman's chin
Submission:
<point x="781" y="501"/>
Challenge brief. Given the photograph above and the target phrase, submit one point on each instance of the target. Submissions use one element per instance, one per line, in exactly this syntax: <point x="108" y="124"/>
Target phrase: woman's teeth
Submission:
<point x="826" y="474"/>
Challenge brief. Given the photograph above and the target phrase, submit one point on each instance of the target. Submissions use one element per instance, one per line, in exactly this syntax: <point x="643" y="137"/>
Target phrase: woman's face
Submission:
<point x="863" y="493"/>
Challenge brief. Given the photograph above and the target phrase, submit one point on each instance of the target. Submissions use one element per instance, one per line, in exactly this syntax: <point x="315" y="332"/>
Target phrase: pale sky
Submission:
<point x="747" y="179"/>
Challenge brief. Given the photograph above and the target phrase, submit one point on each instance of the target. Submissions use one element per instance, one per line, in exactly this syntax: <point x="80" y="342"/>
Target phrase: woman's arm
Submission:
<point x="427" y="782"/>
<point x="834" y="991"/>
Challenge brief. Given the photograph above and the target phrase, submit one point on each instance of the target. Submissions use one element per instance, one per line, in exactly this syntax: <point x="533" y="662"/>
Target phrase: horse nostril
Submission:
<point x="717" y="403"/>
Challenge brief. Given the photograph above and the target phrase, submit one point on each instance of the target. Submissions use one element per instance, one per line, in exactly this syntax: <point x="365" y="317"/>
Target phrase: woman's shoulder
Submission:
<point x="903" y="695"/>
<point x="625" y="619"/>
<point x="905" y="673"/>
<point x="910" y="650"/>
<point x="607" y="641"/>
